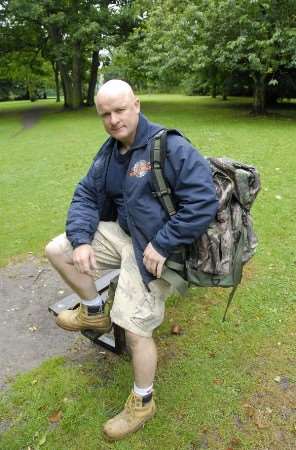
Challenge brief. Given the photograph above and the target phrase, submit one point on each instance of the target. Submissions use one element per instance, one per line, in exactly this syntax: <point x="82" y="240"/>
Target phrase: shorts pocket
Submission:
<point x="149" y="314"/>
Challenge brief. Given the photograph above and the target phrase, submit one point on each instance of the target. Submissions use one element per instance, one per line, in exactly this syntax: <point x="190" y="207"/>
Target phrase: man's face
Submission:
<point x="120" y="115"/>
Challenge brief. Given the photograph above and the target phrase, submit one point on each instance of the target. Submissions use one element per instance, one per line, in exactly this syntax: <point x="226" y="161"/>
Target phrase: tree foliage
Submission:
<point x="71" y="35"/>
<point x="214" y="42"/>
<point x="207" y="46"/>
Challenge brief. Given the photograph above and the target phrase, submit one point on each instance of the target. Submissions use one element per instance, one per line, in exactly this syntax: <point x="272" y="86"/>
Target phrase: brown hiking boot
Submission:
<point x="135" y="413"/>
<point x="80" y="319"/>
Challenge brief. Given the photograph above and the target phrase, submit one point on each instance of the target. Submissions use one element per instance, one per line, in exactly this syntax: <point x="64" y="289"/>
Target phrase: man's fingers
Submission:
<point x="84" y="259"/>
<point x="93" y="261"/>
<point x="159" y="269"/>
<point x="83" y="266"/>
<point x="151" y="266"/>
<point x="153" y="261"/>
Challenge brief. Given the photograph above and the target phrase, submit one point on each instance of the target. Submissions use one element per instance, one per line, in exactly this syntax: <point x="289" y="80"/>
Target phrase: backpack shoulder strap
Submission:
<point x="158" y="150"/>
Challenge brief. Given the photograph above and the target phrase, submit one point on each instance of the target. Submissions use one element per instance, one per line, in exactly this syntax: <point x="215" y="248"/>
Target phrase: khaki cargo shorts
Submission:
<point x="134" y="308"/>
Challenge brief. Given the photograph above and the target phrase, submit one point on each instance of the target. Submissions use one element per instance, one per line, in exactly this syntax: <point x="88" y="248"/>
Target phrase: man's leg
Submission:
<point x="59" y="253"/>
<point x="139" y="311"/>
<point x="144" y="358"/>
<point x="90" y="314"/>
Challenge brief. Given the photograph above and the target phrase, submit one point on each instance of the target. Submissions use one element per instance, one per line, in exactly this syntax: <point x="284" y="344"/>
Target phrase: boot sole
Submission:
<point x="98" y="330"/>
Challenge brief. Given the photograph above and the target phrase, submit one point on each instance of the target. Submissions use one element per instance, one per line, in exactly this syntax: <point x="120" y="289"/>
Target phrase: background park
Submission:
<point x="223" y="72"/>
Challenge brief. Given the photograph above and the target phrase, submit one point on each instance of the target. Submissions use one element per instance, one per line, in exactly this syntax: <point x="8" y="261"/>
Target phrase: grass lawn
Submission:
<point x="219" y="386"/>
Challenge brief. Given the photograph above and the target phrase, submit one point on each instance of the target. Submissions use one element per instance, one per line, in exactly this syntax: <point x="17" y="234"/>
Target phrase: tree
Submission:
<point x="22" y="64"/>
<point x="72" y="33"/>
<point x="214" y="41"/>
<point x="263" y="40"/>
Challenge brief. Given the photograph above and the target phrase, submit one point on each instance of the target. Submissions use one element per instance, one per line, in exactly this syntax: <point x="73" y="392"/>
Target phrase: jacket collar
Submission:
<point x="145" y="131"/>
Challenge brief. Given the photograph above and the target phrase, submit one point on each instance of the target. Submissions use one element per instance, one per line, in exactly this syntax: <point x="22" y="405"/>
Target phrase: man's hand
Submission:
<point x="153" y="261"/>
<point x="84" y="259"/>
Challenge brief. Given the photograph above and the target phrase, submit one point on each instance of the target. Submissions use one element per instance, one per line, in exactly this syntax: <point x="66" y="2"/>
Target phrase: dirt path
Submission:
<point x="32" y="116"/>
<point x="28" y="334"/>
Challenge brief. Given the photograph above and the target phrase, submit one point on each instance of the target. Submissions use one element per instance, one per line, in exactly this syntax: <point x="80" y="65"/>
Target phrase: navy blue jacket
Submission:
<point x="189" y="176"/>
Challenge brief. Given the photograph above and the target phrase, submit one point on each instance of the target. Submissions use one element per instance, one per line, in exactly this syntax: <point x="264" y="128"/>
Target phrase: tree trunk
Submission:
<point x="77" y="99"/>
<point x="259" y="94"/>
<point x="70" y="76"/>
<point x="67" y="86"/>
<point x="57" y="81"/>
<point x="93" y="79"/>
<point x="224" y="90"/>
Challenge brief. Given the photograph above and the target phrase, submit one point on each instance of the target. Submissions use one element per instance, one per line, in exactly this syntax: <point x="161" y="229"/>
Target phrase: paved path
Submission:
<point x="28" y="334"/>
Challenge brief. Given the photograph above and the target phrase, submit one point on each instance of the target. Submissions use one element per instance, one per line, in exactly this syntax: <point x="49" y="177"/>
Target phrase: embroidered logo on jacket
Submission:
<point x="140" y="169"/>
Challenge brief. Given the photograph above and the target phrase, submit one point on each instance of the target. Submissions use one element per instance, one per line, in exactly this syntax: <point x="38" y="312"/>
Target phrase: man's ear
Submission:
<point x="137" y="104"/>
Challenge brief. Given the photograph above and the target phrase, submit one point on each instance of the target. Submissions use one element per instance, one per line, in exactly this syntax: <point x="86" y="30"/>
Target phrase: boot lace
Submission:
<point x="133" y="402"/>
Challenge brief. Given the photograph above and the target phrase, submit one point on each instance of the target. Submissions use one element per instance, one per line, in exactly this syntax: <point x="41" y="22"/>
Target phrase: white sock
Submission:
<point x="98" y="301"/>
<point x="142" y="392"/>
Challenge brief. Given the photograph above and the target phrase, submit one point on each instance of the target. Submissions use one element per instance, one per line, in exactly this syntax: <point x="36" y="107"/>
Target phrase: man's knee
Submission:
<point x="51" y="250"/>
<point x="133" y="340"/>
<point x="54" y="251"/>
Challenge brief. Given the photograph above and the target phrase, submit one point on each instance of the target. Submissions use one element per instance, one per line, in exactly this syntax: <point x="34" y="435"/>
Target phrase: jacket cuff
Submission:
<point x="159" y="249"/>
<point x="76" y="244"/>
<point x="79" y="241"/>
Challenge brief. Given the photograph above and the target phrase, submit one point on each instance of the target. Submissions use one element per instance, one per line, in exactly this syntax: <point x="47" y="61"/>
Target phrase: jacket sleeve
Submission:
<point x="194" y="193"/>
<point x="83" y="214"/>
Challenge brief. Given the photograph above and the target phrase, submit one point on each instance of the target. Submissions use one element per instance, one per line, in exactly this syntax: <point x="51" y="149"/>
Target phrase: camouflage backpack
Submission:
<point x="217" y="257"/>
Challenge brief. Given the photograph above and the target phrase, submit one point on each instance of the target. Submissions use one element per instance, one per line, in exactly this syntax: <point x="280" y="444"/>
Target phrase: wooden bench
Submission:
<point x="113" y="341"/>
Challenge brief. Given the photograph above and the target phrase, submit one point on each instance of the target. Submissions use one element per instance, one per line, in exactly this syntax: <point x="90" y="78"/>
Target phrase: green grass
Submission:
<point x="217" y="384"/>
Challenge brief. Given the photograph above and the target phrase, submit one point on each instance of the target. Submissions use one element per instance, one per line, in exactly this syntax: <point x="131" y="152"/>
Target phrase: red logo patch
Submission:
<point x="140" y="169"/>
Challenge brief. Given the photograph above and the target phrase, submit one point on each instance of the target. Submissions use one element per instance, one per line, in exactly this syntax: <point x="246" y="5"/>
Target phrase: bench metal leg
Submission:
<point x="113" y="341"/>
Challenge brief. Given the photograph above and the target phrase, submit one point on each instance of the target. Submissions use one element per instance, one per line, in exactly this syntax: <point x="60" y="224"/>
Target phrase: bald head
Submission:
<point x="115" y="88"/>
<point x="119" y="109"/>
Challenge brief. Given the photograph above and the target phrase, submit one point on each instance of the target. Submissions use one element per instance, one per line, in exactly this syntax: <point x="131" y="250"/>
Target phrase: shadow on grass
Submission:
<point x="28" y="113"/>
<point x="12" y="109"/>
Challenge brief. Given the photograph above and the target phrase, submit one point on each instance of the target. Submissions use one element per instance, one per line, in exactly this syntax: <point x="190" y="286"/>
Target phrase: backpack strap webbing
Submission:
<point x="175" y="280"/>
<point x="231" y="295"/>
<point x="238" y="269"/>
<point x="158" y="153"/>
<point x="157" y="159"/>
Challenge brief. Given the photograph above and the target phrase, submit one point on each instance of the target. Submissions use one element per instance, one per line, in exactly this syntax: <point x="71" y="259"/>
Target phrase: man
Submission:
<point x="114" y="221"/>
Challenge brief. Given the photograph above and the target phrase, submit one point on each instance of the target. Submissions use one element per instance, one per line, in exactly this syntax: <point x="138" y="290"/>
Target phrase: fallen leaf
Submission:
<point x="212" y="355"/>
<point x="176" y="329"/>
<point x="249" y="409"/>
<point x="235" y="442"/>
<point x="259" y="420"/>
<point x="277" y="379"/>
<point x="218" y="381"/>
<point x="55" y="417"/>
